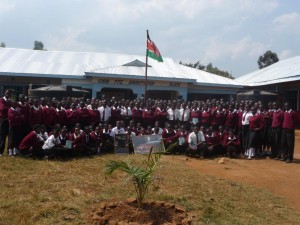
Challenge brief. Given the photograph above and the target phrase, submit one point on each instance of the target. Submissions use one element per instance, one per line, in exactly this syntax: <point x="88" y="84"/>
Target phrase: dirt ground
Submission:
<point x="282" y="179"/>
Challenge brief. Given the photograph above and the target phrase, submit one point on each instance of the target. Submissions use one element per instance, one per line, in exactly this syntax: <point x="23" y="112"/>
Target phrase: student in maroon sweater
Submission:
<point x="83" y="115"/>
<point x="35" y="113"/>
<point x="72" y="117"/>
<point x="231" y="144"/>
<point x="50" y="115"/>
<point x="61" y="115"/>
<point x="206" y="116"/>
<point x="231" y="119"/>
<point x="290" y="119"/>
<point x="212" y="142"/>
<point x="256" y="124"/>
<point x="31" y="144"/>
<point x="195" y="118"/>
<point x="169" y="136"/>
<point x="16" y="122"/>
<point x="94" y="115"/>
<point x="5" y="104"/>
<point x="218" y="117"/>
<point x="277" y="121"/>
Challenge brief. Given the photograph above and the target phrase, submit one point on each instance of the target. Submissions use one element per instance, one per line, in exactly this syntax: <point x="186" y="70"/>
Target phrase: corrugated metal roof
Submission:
<point x="282" y="71"/>
<point x="78" y="64"/>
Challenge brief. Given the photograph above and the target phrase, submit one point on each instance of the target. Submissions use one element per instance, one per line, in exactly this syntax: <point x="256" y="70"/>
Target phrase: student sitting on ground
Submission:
<point x="31" y="144"/>
<point x="78" y="142"/>
<point x="52" y="146"/>
<point x="197" y="144"/>
<point x="231" y="144"/>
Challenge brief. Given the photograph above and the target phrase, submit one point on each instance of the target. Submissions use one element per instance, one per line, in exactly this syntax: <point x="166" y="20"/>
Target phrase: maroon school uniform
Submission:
<point x="61" y="117"/>
<point x="232" y="119"/>
<point x="30" y="140"/>
<point x="94" y="117"/>
<point x="35" y="116"/>
<point x="148" y="117"/>
<point x="290" y="119"/>
<point x="195" y="115"/>
<point x="160" y="115"/>
<point x="234" y="141"/>
<point x="256" y="121"/>
<point x="15" y="117"/>
<point x="218" y="118"/>
<point x="83" y="116"/>
<point x="77" y="141"/>
<point x="277" y="118"/>
<point x="49" y="116"/>
<point x="72" y="117"/>
<point x="211" y="139"/>
<point x="25" y="111"/>
<point x="206" y="117"/>
<point x="136" y="114"/>
<point x="169" y="136"/>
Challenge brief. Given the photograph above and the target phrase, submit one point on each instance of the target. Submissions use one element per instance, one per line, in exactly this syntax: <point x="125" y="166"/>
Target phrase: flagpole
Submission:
<point x="146" y="72"/>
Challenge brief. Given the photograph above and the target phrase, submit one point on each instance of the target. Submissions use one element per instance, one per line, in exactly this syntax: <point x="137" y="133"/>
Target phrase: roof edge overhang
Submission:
<point x="61" y="76"/>
<point x="219" y="85"/>
<point x="125" y="76"/>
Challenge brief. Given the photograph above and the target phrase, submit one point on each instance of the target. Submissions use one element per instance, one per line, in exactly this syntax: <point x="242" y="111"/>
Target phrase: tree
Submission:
<point x="209" y="68"/>
<point x="196" y="65"/>
<point x="2" y="45"/>
<point x="141" y="177"/>
<point x="267" y="59"/>
<point x="38" y="45"/>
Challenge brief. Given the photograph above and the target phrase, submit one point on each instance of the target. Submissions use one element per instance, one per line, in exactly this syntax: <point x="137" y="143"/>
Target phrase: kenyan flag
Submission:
<point x="152" y="50"/>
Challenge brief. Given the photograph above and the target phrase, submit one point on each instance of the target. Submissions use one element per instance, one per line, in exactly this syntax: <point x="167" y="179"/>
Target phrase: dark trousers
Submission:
<point x="245" y="137"/>
<point x="276" y="141"/>
<point x="288" y="143"/>
<point x="14" y="137"/>
<point x="4" y="128"/>
<point x="254" y="139"/>
<point x="201" y="150"/>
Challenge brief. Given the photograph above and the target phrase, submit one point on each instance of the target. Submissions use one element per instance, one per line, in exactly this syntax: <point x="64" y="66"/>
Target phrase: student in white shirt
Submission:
<point x="52" y="145"/>
<point x="197" y="144"/>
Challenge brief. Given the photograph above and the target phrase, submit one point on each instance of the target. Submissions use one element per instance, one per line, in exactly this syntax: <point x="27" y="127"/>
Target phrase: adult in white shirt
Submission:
<point x="117" y="130"/>
<point x="105" y="112"/>
<point x="197" y="144"/>
<point x="245" y="127"/>
<point x="52" y="145"/>
<point x="173" y="114"/>
<point x="184" y="115"/>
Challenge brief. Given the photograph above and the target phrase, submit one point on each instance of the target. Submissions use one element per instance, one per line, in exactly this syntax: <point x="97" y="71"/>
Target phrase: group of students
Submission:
<point x="79" y="126"/>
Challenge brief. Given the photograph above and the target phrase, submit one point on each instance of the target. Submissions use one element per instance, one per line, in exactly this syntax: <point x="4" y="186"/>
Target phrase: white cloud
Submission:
<point x="218" y="49"/>
<point x="68" y="40"/>
<point x="287" y="21"/>
<point x="6" y="6"/>
<point x="285" y="54"/>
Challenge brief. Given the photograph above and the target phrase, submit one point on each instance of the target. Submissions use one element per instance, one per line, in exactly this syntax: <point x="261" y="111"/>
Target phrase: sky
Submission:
<point x="230" y="34"/>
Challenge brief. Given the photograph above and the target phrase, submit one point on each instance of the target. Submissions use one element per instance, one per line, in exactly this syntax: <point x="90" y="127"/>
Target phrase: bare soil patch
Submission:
<point x="280" y="178"/>
<point x="128" y="212"/>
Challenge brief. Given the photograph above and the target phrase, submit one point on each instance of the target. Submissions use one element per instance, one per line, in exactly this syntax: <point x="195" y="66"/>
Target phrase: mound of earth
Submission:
<point x="128" y="212"/>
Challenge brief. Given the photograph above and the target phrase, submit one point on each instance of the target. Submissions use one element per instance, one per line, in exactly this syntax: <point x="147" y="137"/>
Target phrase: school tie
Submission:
<point x="197" y="138"/>
<point x="244" y="117"/>
<point x="174" y="114"/>
<point x="183" y="115"/>
<point x="103" y="117"/>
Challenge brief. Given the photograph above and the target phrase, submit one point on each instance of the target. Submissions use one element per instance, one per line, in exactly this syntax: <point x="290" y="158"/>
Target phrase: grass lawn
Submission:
<point x="56" y="192"/>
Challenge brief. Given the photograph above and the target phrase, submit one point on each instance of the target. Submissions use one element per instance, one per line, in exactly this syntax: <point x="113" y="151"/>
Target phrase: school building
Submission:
<point x="118" y="75"/>
<point x="281" y="78"/>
